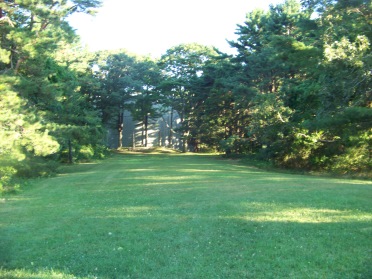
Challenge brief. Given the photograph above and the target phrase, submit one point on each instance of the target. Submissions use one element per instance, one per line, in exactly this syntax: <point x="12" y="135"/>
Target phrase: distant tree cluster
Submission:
<point x="297" y="93"/>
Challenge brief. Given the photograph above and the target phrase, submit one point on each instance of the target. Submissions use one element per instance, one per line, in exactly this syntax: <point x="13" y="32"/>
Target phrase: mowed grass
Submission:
<point x="186" y="216"/>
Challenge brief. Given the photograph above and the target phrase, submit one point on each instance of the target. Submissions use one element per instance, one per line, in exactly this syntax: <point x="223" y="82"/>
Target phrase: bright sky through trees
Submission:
<point x="152" y="27"/>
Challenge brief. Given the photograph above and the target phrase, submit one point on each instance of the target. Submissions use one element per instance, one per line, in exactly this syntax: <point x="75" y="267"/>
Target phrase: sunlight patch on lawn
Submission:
<point x="145" y="216"/>
<point x="44" y="274"/>
<point x="138" y="209"/>
<point x="170" y="178"/>
<point x="129" y="212"/>
<point x="14" y="198"/>
<point x="85" y="173"/>
<point x="262" y="212"/>
<point x="140" y="170"/>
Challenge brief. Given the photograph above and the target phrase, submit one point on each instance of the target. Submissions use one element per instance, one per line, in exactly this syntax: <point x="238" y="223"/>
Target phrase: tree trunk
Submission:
<point x="183" y="141"/>
<point x="18" y="64"/>
<point x="143" y="133"/>
<point x="120" y="138"/>
<point x="134" y="141"/>
<point x="170" y="136"/>
<point x="146" y="129"/>
<point x="70" y="161"/>
<point x="120" y="129"/>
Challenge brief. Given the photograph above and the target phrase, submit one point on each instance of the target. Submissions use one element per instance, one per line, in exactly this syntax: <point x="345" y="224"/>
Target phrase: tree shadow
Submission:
<point x="157" y="218"/>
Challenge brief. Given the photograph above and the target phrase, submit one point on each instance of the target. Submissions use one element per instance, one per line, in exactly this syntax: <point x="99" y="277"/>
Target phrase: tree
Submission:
<point x="222" y="103"/>
<point x="143" y="109"/>
<point x="22" y="132"/>
<point x="36" y="81"/>
<point x="127" y="82"/>
<point x="308" y="72"/>
<point x="36" y="27"/>
<point x="182" y="66"/>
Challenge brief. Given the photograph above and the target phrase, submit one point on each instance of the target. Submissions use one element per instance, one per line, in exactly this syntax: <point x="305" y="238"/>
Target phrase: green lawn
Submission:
<point x="186" y="216"/>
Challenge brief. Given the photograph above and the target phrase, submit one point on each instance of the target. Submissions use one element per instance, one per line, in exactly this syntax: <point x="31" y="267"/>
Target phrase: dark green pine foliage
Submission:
<point x="127" y="82"/>
<point x="182" y="68"/>
<point x="297" y="93"/>
<point x="146" y="100"/>
<point x="40" y="86"/>
<point x="311" y="72"/>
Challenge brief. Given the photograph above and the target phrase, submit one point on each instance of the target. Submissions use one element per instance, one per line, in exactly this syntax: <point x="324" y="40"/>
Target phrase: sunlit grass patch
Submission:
<point x="277" y="213"/>
<point x="176" y="216"/>
<point x="41" y="274"/>
<point x="148" y="150"/>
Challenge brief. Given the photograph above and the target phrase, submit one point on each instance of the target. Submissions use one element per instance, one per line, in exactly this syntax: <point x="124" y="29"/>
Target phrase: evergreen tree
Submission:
<point x="40" y="92"/>
<point x="146" y="100"/>
<point x="182" y="67"/>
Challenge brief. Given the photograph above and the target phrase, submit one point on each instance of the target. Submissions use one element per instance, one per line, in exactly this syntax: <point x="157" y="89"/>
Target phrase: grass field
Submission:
<point x="185" y="216"/>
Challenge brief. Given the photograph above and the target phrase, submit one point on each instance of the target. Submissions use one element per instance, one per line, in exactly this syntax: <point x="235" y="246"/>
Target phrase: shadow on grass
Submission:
<point x="158" y="216"/>
<point x="156" y="242"/>
<point x="77" y="168"/>
<point x="133" y="240"/>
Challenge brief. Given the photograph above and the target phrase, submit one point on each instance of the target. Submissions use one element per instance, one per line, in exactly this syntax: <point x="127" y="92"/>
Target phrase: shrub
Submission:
<point x="7" y="178"/>
<point x="101" y="151"/>
<point x="354" y="160"/>
<point x="236" y="145"/>
<point x="85" y="153"/>
<point x="36" y="167"/>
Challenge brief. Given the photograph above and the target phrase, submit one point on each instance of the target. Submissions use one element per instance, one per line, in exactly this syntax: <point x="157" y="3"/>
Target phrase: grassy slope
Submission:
<point x="186" y="216"/>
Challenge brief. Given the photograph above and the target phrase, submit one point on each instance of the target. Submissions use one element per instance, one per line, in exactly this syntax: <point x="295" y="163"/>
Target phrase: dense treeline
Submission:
<point x="305" y="81"/>
<point x="45" y="111"/>
<point x="296" y="93"/>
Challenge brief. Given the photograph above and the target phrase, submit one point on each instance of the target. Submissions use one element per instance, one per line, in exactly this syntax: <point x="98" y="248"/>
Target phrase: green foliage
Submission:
<point x="356" y="159"/>
<point x="40" y="87"/>
<point x="101" y="152"/>
<point x="313" y="78"/>
<point x="236" y="145"/>
<point x="300" y="150"/>
<point x="183" y="67"/>
<point x="22" y="135"/>
<point x="87" y="153"/>
<point x="346" y="138"/>
<point x="36" y="167"/>
<point x="7" y="178"/>
<point x="297" y="93"/>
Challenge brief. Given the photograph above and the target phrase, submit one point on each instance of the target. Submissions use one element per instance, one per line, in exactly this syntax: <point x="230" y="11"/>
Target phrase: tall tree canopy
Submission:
<point x="182" y="68"/>
<point x="309" y="72"/>
<point x="127" y="82"/>
<point x="298" y="91"/>
<point x="41" y="65"/>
